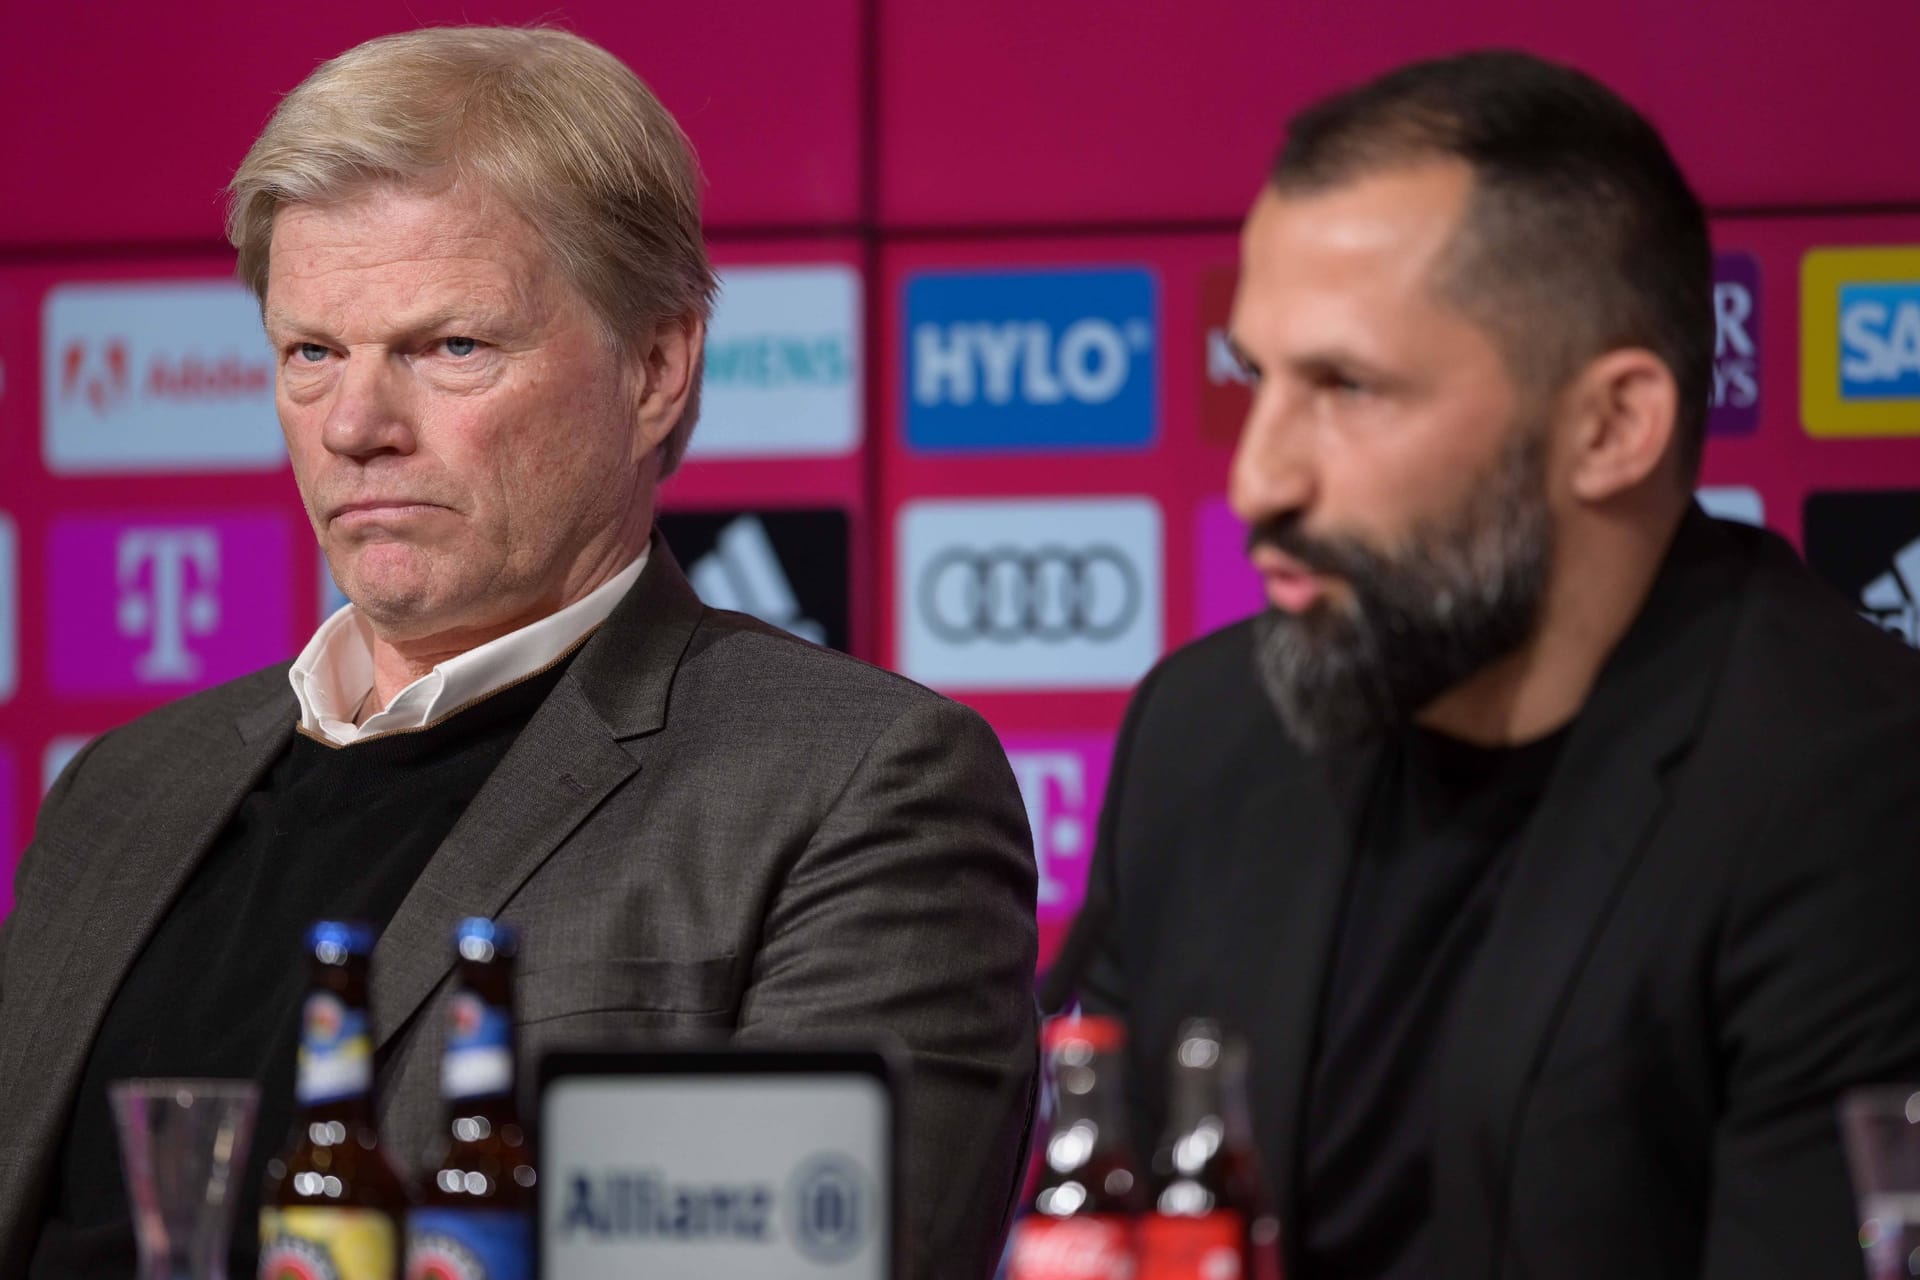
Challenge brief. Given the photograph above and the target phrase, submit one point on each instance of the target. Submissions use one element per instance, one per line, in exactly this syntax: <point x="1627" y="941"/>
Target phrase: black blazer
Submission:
<point x="1712" y="927"/>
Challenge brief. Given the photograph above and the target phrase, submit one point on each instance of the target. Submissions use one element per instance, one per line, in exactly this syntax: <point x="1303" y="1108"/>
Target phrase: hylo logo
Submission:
<point x="1860" y="342"/>
<point x="1031" y="359"/>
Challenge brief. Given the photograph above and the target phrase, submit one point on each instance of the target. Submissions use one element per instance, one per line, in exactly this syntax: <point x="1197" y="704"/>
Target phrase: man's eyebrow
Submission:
<point x="472" y="313"/>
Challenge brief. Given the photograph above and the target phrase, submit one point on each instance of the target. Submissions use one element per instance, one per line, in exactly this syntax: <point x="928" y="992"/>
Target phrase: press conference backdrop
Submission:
<point x="968" y="410"/>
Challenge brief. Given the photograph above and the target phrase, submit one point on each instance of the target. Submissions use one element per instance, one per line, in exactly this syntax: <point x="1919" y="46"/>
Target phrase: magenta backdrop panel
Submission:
<point x="1062" y="778"/>
<point x="1009" y="112"/>
<point x="140" y="113"/>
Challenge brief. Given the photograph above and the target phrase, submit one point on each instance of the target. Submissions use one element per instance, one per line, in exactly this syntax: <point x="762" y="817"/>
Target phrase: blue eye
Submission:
<point x="312" y="352"/>
<point x="461" y="346"/>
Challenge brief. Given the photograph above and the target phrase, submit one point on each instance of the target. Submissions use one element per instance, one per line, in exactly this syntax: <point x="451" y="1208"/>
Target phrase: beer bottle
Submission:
<point x="1209" y="1219"/>
<point x="333" y="1205"/>
<point x="473" y="1216"/>
<point x="1079" y="1223"/>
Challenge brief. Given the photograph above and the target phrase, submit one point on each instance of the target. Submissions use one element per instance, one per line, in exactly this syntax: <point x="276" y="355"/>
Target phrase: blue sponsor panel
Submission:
<point x="1057" y="359"/>
<point x="1880" y="341"/>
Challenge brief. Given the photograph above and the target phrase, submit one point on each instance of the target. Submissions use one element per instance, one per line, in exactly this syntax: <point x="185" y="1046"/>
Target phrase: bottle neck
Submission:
<point x="1089" y="1093"/>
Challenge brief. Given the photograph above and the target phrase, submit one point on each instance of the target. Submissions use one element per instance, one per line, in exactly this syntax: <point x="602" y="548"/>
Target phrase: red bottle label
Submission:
<point x="1095" y="1247"/>
<point x="1205" y="1248"/>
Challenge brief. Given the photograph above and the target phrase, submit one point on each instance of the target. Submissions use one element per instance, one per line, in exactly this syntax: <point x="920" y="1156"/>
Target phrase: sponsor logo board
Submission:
<point x="1052" y="359"/>
<point x="787" y="568"/>
<point x="1732" y="502"/>
<point x="156" y="378"/>
<point x="1226" y="588"/>
<point x="1868" y="545"/>
<point x="1736" y="345"/>
<point x="783" y="372"/>
<point x="1225" y="394"/>
<point x="1063" y="778"/>
<point x="1058" y="593"/>
<point x="1860" y="342"/>
<point x="166" y="603"/>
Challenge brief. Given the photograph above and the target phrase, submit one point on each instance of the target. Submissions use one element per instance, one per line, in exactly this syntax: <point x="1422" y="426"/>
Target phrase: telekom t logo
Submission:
<point x="169" y="589"/>
<point x="100" y="378"/>
<point x="167" y="602"/>
<point x="1062" y="778"/>
<point x="1053" y="784"/>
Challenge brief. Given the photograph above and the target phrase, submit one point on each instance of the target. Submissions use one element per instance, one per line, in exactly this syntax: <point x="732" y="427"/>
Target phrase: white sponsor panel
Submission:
<point x="1058" y="593"/>
<point x="684" y="1177"/>
<point x="156" y="377"/>
<point x="783" y="364"/>
<point x="1733" y="502"/>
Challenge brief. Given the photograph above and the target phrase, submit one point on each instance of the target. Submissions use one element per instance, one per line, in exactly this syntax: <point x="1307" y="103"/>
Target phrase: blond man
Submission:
<point x="479" y="260"/>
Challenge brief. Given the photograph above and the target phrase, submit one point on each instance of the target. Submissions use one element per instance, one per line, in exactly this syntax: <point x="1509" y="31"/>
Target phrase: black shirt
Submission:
<point x="1436" y="840"/>
<point x="328" y="833"/>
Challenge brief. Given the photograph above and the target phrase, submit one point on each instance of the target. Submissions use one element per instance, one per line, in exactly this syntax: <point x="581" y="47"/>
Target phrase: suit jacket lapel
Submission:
<point x="1607" y="793"/>
<point x="566" y="761"/>
<point x="114" y="911"/>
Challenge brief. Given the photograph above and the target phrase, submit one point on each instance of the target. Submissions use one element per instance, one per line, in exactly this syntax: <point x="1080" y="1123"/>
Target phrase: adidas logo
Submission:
<point x="743" y="573"/>
<point x="1892" y="600"/>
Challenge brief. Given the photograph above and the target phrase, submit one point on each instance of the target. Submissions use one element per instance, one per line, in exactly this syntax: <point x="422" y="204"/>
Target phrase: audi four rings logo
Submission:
<point x="1008" y="594"/>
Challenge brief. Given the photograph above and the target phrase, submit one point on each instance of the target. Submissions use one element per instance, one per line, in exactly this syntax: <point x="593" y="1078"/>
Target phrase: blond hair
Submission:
<point x="558" y="127"/>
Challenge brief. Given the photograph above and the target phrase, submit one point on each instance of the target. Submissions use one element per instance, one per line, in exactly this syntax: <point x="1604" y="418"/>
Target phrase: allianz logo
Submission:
<point x="1892" y="600"/>
<point x="775" y="362"/>
<point x="638" y="1204"/>
<point x="1088" y="361"/>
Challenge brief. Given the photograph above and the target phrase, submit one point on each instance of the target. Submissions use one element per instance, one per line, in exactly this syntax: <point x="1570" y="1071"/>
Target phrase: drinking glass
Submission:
<point x="183" y="1148"/>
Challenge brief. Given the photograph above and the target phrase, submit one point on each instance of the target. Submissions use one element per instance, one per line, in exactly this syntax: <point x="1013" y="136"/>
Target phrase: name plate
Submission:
<point x="717" y="1164"/>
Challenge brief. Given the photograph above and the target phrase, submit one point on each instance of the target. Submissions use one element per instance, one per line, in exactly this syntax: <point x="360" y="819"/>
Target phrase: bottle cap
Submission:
<point x="478" y="938"/>
<point x="346" y="938"/>
<point x="1102" y="1035"/>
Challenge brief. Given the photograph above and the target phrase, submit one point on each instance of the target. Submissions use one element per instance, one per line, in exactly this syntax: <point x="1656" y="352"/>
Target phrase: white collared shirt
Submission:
<point x="333" y="675"/>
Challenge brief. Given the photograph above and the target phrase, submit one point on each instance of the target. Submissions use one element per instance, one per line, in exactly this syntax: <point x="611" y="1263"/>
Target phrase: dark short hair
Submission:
<point x="1581" y="235"/>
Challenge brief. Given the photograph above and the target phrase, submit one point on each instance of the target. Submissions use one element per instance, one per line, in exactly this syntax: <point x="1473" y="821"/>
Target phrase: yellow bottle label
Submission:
<point x="302" y="1243"/>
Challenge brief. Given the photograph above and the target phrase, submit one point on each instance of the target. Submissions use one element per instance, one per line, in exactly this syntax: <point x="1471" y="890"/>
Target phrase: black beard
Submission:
<point x="1464" y="593"/>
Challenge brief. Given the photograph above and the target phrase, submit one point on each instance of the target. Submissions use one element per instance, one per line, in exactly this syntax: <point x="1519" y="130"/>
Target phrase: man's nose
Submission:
<point x="1272" y="473"/>
<point x="370" y="411"/>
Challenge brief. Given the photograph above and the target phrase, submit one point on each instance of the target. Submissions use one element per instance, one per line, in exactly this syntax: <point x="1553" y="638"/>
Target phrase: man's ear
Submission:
<point x="666" y="371"/>
<point x="1625" y="406"/>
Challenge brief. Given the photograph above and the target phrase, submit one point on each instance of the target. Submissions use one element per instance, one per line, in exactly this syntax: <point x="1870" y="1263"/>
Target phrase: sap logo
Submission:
<point x="1035" y="359"/>
<point x="783" y="372"/>
<point x="1892" y="600"/>
<point x="629" y="1204"/>
<point x="95" y="374"/>
<point x="1735" y="407"/>
<point x="156" y="377"/>
<point x="1880" y="340"/>
<point x="1860" y="342"/>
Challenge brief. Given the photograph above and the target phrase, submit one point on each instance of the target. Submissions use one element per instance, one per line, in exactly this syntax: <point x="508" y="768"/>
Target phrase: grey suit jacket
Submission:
<point x="708" y="824"/>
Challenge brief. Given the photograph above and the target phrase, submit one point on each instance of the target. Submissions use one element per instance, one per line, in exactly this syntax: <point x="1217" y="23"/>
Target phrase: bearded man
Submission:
<point x="1555" y="847"/>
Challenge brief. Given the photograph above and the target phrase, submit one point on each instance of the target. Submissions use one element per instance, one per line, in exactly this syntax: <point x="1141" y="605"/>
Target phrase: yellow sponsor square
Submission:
<point x="1841" y="357"/>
